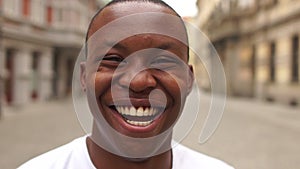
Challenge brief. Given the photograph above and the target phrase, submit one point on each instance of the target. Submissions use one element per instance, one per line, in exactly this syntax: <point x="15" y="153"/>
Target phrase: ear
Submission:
<point x="83" y="75"/>
<point x="191" y="78"/>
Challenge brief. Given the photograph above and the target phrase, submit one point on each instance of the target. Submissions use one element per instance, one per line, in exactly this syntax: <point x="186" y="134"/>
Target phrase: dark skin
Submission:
<point x="140" y="86"/>
<point x="103" y="159"/>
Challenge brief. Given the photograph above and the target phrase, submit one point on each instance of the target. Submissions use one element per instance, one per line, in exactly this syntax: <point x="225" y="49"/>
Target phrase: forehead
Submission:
<point x="123" y="9"/>
<point x="135" y="26"/>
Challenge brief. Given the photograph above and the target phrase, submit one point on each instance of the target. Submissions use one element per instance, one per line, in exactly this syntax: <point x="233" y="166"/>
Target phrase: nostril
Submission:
<point x="142" y="81"/>
<point x="145" y="93"/>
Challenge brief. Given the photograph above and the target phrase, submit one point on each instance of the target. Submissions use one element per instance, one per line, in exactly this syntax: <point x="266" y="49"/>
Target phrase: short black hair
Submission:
<point x="159" y="2"/>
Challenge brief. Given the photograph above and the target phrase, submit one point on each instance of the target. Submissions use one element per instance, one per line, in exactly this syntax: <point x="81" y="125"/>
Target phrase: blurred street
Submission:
<point x="256" y="41"/>
<point x="34" y="129"/>
<point x="252" y="134"/>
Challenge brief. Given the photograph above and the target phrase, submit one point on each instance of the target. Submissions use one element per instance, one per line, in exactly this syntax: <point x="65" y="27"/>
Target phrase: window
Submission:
<point x="295" y="59"/>
<point x="272" y="62"/>
<point x="26" y="8"/>
<point x="49" y="14"/>
<point x="253" y="62"/>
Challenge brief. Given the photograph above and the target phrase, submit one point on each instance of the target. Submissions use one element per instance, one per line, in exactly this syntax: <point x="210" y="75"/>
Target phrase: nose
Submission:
<point x="142" y="81"/>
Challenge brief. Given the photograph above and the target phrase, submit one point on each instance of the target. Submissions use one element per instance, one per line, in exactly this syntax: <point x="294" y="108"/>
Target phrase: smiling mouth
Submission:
<point x="141" y="116"/>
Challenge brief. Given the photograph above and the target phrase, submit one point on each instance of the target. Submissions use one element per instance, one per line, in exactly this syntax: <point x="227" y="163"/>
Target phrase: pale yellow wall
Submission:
<point x="262" y="62"/>
<point x="283" y="60"/>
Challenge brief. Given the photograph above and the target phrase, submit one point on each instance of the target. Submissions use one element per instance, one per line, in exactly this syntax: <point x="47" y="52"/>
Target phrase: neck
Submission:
<point x="103" y="159"/>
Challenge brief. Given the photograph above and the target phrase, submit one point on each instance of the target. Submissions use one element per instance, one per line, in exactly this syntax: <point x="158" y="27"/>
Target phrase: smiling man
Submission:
<point x="136" y="79"/>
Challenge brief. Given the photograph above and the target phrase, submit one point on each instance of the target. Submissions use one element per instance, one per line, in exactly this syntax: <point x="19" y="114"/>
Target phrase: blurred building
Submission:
<point x="40" y="41"/>
<point x="258" y="43"/>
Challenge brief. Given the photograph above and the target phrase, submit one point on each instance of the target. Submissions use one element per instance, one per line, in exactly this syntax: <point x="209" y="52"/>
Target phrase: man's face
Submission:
<point x="141" y="83"/>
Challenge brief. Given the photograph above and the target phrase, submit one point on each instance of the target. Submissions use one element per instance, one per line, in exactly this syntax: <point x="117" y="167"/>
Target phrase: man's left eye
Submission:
<point x="165" y="60"/>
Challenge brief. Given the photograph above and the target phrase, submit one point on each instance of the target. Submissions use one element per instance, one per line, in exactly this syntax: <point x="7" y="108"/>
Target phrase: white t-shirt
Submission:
<point x="74" y="155"/>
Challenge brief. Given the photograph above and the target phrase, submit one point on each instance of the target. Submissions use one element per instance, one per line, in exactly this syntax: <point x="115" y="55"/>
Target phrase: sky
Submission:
<point x="183" y="7"/>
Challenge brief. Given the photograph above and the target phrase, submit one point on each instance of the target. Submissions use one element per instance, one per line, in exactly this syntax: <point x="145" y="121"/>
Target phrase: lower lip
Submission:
<point x="136" y="129"/>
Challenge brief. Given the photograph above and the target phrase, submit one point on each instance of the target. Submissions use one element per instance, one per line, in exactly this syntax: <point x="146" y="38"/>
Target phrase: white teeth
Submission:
<point x="140" y="112"/>
<point x="146" y="112"/>
<point x="138" y="123"/>
<point x="126" y="111"/>
<point x="151" y="111"/>
<point x="132" y="111"/>
<point x="119" y="109"/>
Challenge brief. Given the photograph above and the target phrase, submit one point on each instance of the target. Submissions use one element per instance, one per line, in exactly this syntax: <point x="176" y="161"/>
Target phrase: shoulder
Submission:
<point x="184" y="157"/>
<point x="63" y="157"/>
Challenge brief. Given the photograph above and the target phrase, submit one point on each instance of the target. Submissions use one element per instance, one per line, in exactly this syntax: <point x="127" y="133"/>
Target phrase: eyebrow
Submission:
<point x="166" y="46"/>
<point x="163" y="46"/>
<point x="115" y="45"/>
<point x="171" y="46"/>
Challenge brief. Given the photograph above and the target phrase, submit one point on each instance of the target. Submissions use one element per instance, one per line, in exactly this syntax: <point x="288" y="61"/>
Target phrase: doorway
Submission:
<point x="9" y="82"/>
<point x="35" y="75"/>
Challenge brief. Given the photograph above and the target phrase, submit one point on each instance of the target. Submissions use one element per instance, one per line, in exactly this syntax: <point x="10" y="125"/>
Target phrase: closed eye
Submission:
<point x="165" y="61"/>
<point x="111" y="61"/>
<point x="113" y="58"/>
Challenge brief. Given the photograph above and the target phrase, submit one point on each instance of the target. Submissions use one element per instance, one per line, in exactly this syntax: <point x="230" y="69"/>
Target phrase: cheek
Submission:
<point x="100" y="82"/>
<point x="176" y="86"/>
<point x="171" y="85"/>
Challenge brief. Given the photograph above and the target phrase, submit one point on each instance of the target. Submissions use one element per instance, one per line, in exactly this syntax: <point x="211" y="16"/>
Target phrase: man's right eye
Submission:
<point x="113" y="58"/>
<point x="112" y="61"/>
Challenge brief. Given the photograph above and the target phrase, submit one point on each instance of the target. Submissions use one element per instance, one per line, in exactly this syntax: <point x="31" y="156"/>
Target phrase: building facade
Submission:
<point x="258" y="43"/>
<point x="40" y="41"/>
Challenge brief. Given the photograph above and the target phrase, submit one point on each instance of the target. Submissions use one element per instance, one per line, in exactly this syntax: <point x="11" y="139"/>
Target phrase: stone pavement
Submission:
<point x="38" y="127"/>
<point x="252" y="135"/>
